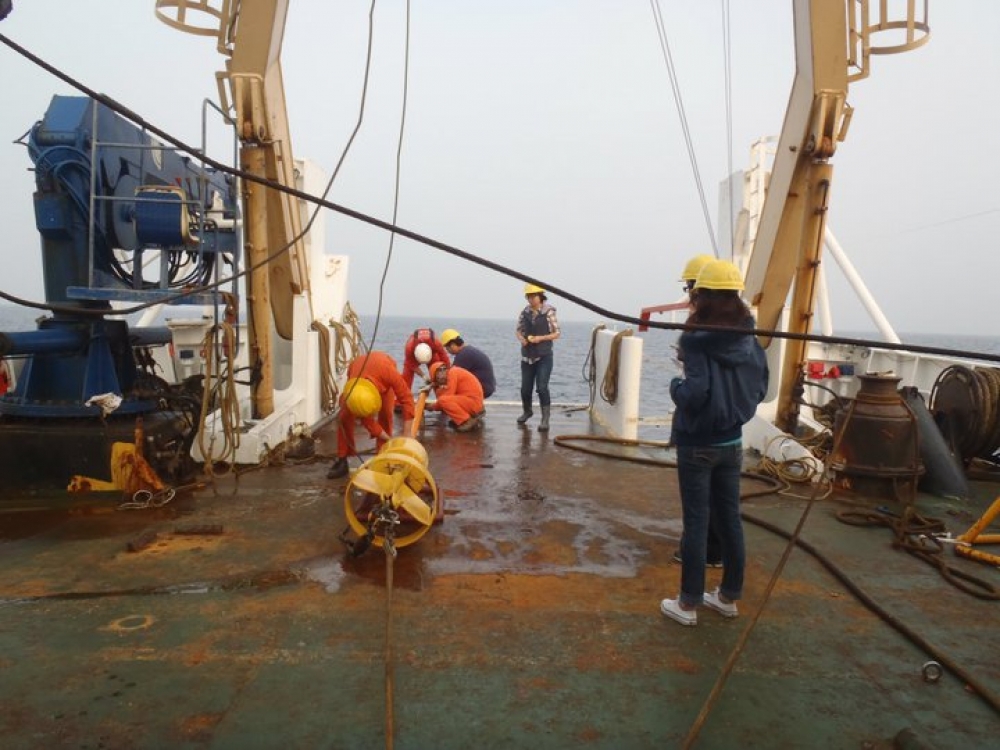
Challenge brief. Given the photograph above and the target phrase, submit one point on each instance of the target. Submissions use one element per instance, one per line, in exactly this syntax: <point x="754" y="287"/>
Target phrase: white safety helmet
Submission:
<point x="423" y="353"/>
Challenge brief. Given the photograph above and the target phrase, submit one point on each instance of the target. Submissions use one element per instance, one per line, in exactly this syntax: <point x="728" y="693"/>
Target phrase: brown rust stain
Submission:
<point x="589" y="734"/>
<point x="685" y="664"/>
<point x="199" y="727"/>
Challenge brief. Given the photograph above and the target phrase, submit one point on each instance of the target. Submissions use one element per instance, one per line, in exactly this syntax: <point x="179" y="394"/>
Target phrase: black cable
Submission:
<point x="939" y="656"/>
<point x="982" y="691"/>
<point x="424" y="240"/>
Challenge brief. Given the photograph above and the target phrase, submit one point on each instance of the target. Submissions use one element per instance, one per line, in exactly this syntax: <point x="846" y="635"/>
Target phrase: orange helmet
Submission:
<point x="435" y="367"/>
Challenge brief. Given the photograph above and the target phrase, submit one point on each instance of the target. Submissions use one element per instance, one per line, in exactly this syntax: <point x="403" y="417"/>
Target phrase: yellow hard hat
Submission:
<point x="449" y="335"/>
<point x="694" y="266"/>
<point x="362" y="397"/>
<point x="720" y="274"/>
<point x="532" y="289"/>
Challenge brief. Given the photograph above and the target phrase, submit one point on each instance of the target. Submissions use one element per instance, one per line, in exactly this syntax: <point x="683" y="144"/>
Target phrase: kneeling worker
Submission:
<point x="470" y="358"/>
<point x="373" y="386"/>
<point x="459" y="395"/>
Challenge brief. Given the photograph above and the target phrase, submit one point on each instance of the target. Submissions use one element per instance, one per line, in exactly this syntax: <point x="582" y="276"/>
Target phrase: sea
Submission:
<point x="569" y="383"/>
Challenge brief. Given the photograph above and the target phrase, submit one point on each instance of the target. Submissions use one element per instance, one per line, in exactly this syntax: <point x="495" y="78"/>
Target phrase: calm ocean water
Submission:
<point x="569" y="383"/>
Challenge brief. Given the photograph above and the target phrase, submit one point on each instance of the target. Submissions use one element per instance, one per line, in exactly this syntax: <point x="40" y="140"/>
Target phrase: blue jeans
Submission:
<point x="536" y="375"/>
<point x="709" y="479"/>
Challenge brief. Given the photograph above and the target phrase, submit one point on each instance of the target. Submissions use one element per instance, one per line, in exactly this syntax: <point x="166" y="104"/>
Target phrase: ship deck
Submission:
<point x="528" y="617"/>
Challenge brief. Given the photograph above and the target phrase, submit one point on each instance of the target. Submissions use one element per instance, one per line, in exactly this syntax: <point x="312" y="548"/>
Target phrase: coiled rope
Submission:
<point x="219" y="391"/>
<point x="609" y="385"/>
<point x="348" y="340"/>
<point x="920" y="536"/>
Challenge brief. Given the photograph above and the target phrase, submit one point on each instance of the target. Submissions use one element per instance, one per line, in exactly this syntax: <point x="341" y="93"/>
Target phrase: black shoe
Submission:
<point x="338" y="469"/>
<point x="525" y="417"/>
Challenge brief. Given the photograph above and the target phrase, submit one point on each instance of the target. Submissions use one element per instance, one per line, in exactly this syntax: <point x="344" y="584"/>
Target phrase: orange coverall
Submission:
<point x="460" y="397"/>
<point x="410" y="364"/>
<point x="380" y="369"/>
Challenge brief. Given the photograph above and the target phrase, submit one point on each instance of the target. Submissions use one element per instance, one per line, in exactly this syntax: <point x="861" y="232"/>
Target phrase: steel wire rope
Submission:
<point x="107" y="101"/>
<point x="121" y="110"/>
<point x="794" y="540"/>
<point x="430" y="242"/>
<point x="589" y="368"/>
<point x="343" y="156"/>
<point x="727" y="64"/>
<point x="744" y="635"/>
<point x="387" y="655"/>
<point x="390" y="552"/>
<point x="977" y="434"/>
<point x="340" y="163"/>
<point x="661" y="31"/>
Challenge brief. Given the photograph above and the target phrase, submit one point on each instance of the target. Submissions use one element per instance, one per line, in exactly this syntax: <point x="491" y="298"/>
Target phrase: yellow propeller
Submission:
<point x="393" y="488"/>
<point x="397" y="476"/>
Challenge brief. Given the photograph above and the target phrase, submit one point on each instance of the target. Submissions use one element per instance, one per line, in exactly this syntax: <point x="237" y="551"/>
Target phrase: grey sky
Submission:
<point x="543" y="136"/>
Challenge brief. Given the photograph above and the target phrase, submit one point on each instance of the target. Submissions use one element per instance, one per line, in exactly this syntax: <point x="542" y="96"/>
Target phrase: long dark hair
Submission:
<point x="718" y="307"/>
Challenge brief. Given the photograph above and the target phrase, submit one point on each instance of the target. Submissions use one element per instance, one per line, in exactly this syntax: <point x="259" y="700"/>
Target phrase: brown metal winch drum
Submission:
<point x="876" y="442"/>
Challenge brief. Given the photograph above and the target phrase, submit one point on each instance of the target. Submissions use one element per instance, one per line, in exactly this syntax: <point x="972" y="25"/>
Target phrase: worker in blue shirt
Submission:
<point x="470" y="358"/>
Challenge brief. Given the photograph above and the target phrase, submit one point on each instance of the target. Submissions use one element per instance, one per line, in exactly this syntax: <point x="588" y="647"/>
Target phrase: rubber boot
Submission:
<point x="543" y="426"/>
<point x="338" y="469"/>
<point x="528" y="414"/>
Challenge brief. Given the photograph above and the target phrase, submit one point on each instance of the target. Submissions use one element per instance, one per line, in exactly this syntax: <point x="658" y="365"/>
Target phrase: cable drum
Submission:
<point x="965" y="403"/>
<point x="993" y="375"/>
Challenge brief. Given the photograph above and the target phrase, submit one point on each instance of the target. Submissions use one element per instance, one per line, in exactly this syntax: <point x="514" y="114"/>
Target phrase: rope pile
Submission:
<point x="220" y="392"/>
<point x="609" y="385"/>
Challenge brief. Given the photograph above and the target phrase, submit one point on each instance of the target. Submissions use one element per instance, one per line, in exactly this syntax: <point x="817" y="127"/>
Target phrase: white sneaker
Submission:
<point x="672" y="609"/>
<point x="714" y="601"/>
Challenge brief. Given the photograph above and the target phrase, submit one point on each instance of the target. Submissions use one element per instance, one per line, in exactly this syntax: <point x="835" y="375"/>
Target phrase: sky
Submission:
<point x="543" y="135"/>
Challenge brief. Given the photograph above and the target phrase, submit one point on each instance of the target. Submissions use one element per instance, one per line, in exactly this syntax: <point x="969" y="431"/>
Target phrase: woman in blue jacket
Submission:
<point x="725" y="378"/>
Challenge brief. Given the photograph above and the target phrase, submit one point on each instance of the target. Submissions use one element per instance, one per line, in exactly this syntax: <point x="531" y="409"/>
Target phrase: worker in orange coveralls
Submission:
<point x="459" y="395"/>
<point x="372" y="388"/>
<point x="414" y="358"/>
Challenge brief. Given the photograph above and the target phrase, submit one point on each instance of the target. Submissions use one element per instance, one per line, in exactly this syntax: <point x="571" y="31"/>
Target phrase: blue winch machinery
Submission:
<point x="123" y="218"/>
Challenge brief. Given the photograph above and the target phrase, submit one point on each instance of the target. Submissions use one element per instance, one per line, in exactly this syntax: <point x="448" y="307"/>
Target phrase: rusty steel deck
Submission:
<point x="527" y="618"/>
